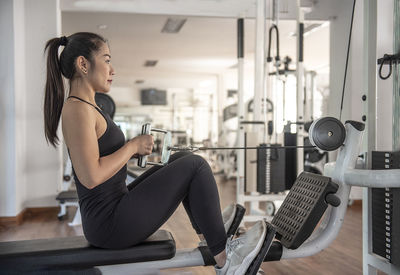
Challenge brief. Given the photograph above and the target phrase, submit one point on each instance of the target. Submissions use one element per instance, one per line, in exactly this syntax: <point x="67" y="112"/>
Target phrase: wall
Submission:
<point x="340" y="26"/>
<point x="30" y="170"/>
<point x="43" y="162"/>
<point x="7" y="111"/>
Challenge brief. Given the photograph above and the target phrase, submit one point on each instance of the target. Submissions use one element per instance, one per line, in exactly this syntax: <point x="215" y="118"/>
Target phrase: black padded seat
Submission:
<point x="70" y="195"/>
<point x="76" y="253"/>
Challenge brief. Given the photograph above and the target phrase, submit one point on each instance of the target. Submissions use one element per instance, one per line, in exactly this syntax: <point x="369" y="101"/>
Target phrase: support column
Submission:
<point x="300" y="87"/>
<point x="240" y="133"/>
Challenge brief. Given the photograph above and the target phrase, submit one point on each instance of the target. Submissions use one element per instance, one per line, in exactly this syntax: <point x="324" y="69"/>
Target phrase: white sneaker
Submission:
<point x="241" y="252"/>
<point x="228" y="215"/>
<point x="231" y="217"/>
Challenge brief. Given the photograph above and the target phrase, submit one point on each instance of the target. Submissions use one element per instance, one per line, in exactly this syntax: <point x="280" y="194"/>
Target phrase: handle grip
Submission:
<point x="142" y="160"/>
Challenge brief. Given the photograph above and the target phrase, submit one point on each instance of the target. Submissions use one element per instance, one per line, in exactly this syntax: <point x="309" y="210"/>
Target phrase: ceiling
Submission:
<point x="204" y="47"/>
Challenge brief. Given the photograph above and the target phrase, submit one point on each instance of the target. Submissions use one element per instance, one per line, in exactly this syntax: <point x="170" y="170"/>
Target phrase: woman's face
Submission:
<point x="102" y="72"/>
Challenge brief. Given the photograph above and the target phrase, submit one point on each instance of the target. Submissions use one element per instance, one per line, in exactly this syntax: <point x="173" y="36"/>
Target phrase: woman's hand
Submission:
<point x="143" y="145"/>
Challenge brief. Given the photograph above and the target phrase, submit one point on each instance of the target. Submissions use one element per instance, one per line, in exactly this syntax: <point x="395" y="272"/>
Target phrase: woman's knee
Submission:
<point x="179" y="155"/>
<point x="191" y="161"/>
<point x="199" y="163"/>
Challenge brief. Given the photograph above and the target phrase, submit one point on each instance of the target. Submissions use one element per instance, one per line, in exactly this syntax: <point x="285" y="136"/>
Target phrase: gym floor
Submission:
<point x="344" y="256"/>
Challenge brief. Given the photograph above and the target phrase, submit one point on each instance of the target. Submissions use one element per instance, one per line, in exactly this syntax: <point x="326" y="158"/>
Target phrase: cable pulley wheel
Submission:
<point x="327" y="133"/>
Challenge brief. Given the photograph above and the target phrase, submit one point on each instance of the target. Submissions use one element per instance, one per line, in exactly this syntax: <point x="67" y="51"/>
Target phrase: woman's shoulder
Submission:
<point x="77" y="110"/>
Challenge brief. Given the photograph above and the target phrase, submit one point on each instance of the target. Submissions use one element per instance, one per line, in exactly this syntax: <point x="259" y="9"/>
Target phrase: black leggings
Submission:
<point x="154" y="196"/>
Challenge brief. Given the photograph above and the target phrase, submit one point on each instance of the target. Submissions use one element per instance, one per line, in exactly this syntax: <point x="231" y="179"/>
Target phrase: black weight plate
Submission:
<point x="106" y="103"/>
<point x="311" y="154"/>
<point x="312" y="169"/>
<point x="314" y="156"/>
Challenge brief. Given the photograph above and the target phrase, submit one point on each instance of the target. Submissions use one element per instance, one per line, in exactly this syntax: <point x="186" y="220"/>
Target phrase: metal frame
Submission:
<point x="342" y="172"/>
<point x="260" y="83"/>
<point x="372" y="262"/>
<point x="300" y="86"/>
<point x="66" y="185"/>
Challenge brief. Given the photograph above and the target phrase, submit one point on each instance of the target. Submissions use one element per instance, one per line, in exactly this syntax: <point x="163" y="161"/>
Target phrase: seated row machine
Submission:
<point x="291" y="227"/>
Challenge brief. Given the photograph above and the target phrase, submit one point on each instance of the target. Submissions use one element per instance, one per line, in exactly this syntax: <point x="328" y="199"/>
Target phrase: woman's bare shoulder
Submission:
<point x="76" y="109"/>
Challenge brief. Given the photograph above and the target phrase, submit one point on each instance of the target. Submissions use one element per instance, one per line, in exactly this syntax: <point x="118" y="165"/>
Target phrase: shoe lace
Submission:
<point x="232" y="244"/>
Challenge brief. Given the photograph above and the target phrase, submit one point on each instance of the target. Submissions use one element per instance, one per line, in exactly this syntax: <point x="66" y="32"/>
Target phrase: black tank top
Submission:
<point x="97" y="205"/>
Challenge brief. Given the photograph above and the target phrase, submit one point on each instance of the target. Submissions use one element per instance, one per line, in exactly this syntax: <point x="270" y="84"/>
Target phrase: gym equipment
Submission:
<point x="314" y="159"/>
<point x="276" y="160"/>
<point x="327" y="134"/>
<point x="290" y="139"/>
<point x="386" y="211"/>
<point x="277" y="58"/>
<point x="106" y="103"/>
<point x="347" y="59"/>
<point x="74" y="252"/>
<point x="146" y="130"/>
<point x="310" y="191"/>
<point x="387" y="59"/>
<point x="68" y="197"/>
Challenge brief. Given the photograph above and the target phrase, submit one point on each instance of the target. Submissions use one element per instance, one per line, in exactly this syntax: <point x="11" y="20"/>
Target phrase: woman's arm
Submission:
<point x="79" y="129"/>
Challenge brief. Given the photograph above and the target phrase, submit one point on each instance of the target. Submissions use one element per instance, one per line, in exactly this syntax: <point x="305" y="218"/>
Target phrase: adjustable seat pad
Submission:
<point x="71" y="195"/>
<point x="77" y="253"/>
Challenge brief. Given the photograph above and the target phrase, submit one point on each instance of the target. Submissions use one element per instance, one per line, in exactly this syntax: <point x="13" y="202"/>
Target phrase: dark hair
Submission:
<point x="79" y="44"/>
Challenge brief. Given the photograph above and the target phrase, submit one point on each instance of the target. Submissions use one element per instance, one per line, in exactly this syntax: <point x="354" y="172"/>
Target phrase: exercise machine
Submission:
<point x="292" y="225"/>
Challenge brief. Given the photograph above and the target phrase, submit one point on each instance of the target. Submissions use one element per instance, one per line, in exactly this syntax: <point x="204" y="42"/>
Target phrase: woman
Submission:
<point x="115" y="215"/>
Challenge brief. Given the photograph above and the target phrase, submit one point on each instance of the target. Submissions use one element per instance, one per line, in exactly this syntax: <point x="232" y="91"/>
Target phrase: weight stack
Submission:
<point x="386" y="211"/>
<point x="270" y="163"/>
<point x="290" y="139"/>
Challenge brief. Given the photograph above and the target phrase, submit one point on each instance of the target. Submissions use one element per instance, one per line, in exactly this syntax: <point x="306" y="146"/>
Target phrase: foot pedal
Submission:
<point x="240" y="210"/>
<point x="256" y="263"/>
<point x="303" y="207"/>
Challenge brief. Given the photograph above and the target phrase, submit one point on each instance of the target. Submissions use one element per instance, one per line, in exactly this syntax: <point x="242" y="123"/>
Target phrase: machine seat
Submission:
<point x="76" y="253"/>
<point x="70" y="195"/>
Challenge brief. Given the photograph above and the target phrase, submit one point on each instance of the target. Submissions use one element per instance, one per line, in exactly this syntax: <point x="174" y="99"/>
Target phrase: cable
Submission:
<point x="277" y="58"/>
<point x="387" y="58"/>
<point x="191" y="148"/>
<point x="347" y="60"/>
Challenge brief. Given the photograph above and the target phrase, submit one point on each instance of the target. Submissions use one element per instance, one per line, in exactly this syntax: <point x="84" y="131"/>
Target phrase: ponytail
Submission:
<point x="54" y="92"/>
<point x="79" y="44"/>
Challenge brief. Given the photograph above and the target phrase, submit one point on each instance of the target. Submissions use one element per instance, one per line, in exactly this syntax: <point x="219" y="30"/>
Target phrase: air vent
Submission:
<point x="173" y="25"/>
<point x="139" y="81"/>
<point x="150" y="63"/>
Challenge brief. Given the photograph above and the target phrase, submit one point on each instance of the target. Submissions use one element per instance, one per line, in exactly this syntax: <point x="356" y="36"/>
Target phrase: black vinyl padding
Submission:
<point x="274" y="252"/>
<point x="70" y="195"/>
<point x="77" y="253"/>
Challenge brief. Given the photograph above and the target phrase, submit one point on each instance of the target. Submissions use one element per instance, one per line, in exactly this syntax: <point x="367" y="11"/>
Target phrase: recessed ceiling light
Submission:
<point x="150" y="63"/>
<point x="102" y="26"/>
<point x="173" y="25"/>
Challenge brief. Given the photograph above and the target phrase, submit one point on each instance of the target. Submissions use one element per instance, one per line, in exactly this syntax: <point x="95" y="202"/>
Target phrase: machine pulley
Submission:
<point x="326" y="134"/>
